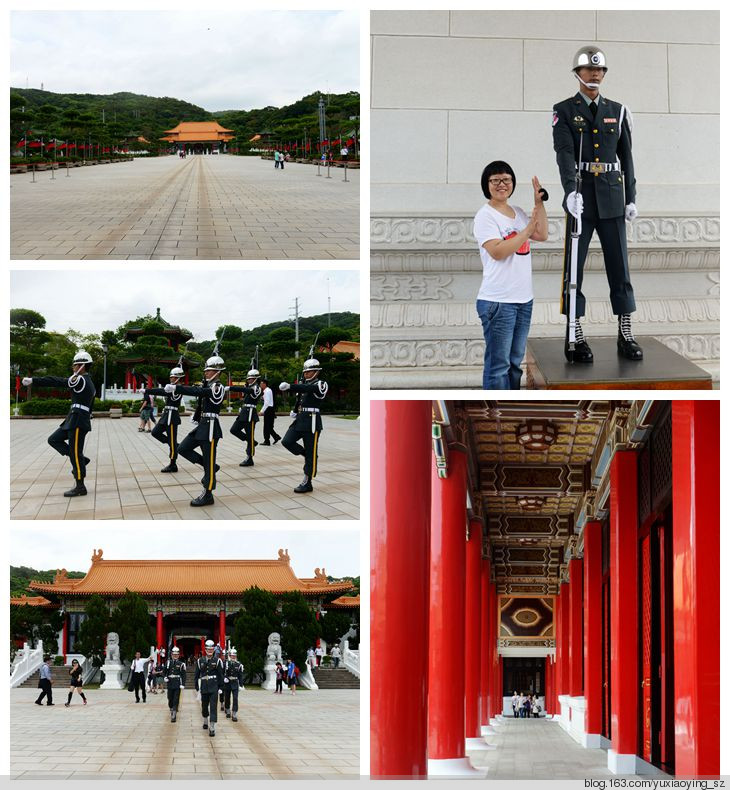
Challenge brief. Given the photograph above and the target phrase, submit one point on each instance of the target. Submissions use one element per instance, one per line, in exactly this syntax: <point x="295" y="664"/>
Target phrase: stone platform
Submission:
<point x="124" y="479"/>
<point x="312" y="735"/>
<point x="167" y="208"/>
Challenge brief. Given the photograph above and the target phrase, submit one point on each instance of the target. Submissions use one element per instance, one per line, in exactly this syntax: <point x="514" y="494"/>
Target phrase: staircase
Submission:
<point x="340" y="678"/>
<point x="61" y="678"/>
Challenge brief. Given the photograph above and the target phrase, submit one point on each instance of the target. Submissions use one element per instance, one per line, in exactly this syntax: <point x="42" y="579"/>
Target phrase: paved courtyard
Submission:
<point x="311" y="735"/>
<point x="538" y="749"/>
<point x="124" y="479"/>
<point x="167" y="208"/>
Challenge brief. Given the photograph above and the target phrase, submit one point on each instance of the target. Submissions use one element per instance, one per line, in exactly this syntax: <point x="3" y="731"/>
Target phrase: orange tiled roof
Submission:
<point x="345" y="602"/>
<point x="348" y="347"/>
<point x="198" y="131"/>
<point x="187" y="577"/>
<point x="35" y="600"/>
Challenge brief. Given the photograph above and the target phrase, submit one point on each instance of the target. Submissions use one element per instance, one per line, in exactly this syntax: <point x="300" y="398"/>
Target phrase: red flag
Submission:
<point x="17" y="384"/>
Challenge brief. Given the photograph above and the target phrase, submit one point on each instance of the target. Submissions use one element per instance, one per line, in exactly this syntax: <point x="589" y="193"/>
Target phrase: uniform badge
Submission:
<point x="579" y="121"/>
<point x="555" y="118"/>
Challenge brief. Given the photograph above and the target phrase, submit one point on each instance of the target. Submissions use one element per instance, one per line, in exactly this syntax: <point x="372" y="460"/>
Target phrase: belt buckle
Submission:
<point x="597" y="167"/>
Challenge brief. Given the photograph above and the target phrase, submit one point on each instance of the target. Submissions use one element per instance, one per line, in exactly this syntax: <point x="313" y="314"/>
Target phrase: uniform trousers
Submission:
<point x="209" y="701"/>
<point x="70" y="442"/>
<point x="167" y="434"/>
<point x="269" y="432"/>
<point x="307" y="448"/>
<point x="205" y="458"/>
<point x="244" y="429"/>
<point x="173" y="698"/>
<point x="232" y="691"/>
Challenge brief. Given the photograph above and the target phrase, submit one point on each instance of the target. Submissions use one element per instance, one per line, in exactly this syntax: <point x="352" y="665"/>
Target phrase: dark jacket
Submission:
<point x="170" y="415"/>
<point x="211" y="399"/>
<point x="311" y="396"/>
<point x="82" y="391"/>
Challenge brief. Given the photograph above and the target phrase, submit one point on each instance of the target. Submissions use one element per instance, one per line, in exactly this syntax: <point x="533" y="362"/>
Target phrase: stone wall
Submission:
<point x="452" y="90"/>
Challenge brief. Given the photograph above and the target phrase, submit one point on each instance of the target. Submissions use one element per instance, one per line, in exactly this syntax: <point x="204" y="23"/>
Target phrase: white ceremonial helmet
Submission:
<point x="176" y="373"/>
<point x="175" y="650"/>
<point x="253" y="374"/>
<point x="215" y="363"/>
<point x="233" y="651"/>
<point x="589" y="57"/>
<point x="209" y="646"/>
<point x="82" y="358"/>
<point x="312" y="364"/>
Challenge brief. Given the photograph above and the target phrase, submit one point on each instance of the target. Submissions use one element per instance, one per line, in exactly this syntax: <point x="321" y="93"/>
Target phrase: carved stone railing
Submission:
<point x="351" y="660"/>
<point x="27" y="661"/>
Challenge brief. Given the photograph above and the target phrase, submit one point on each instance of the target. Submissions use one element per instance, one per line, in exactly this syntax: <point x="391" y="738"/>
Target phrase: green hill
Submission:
<point x="21" y="577"/>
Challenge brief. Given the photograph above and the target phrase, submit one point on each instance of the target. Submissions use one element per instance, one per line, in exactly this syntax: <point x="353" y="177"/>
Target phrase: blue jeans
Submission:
<point x="506" y="326"/>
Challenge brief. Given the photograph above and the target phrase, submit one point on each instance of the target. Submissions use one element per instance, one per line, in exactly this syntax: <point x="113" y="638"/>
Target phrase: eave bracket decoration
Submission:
<point x="440" y="450"/>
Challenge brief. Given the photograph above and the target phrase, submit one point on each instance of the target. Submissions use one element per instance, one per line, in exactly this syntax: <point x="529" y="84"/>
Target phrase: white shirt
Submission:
<point x="508" y="280"/>
<point x="335" y="652"/>
<point x="138" y="664"/>
<point x="268" y="400"/>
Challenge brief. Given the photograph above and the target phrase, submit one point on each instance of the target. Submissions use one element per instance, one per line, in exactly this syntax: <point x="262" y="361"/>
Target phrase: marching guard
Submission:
<point x="307" y="425"/>
<point x="175" y="679"/>
<point x="166" y="430"/>
<point x="208" y="679"/>
<point x="245" y="424"/>
<point x="592" y="134"/>
<point x="69" y="438"/>
<point x="207" y="432"/>
<point x="233" y="681"/>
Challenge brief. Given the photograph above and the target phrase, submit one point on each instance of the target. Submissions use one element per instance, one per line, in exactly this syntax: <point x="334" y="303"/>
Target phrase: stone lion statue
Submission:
<point x="112" y="648"/>
<point x="273" y="651"/>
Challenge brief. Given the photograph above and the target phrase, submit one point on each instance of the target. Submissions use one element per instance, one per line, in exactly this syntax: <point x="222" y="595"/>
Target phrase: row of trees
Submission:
<point x="118" y="119"/>
<point x="263" y="613"/>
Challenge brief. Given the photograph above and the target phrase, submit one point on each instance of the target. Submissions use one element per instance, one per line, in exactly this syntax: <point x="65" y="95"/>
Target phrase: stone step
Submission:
<point x="340" y="678"/>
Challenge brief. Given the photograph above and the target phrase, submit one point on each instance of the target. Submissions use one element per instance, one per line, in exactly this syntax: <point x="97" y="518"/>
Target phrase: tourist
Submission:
<point x="268" y="412"/>
<point x="336" y="654"/>
<point x="174" y="672"/>
<point x="276" y="160"/>
<point x="244" y="426"/>
<point x="526" y="706"/>
<point x="207" y="432"/>
<point x="515" y="704"/>
<point x="208" y="679"/>
<point x="138" y="669"/>
<point x="291" y="675"/>
<point x="166" y="430"/>
<point x="45" y="682"/>
<point x="68" y="440"/>
<point x="311" y="660"/>
<point x="307" y="425"/>
<point x="504" y="301"/>
<point x="76" y="682"/>
<point x="535" y="707"/>
<point x="282" y="159"/>
<point x="343" y="153"/>
<point x="145" y="412"/>
<point x="319" y="652"/>
<point x="280" y="675"/>
<point x="232" y="681"/>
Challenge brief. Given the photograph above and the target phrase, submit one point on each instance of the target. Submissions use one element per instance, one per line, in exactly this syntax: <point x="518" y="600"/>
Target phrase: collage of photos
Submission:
<point x="531" y="199"/>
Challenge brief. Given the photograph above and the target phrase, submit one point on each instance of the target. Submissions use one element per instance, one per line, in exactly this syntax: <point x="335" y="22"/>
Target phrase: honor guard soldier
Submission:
<point x="69" y="438"/>
<point x="208" y="679"/>
<point x="175" y="679"/>
<point x="307" y="424"/>
<point x="233" y="681"/>
<point x="245" y="424"/>
<point x="166" y="430"/>
<point x="208" y="431"/>
<point x="602" y="129"/>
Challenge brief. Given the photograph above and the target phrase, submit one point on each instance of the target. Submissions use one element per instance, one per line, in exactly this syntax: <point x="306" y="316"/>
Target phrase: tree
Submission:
<point x="299" y="627"/>
<point x="131" y="620"/>
<point x="33" y="623"/>
<point x="332" y="335"/>
<point x="27" y="336"/>
<point x="255" y="621"/>
<point x="335" y="624"/>
<point x="91" y="640"/>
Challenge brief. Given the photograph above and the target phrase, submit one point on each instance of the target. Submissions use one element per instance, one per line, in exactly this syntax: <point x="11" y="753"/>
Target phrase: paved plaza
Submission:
<point x="314" y="734"/>
<point x="538" y="749"/>
<point x="124" y="479"/>
<point x="167" y="208"/>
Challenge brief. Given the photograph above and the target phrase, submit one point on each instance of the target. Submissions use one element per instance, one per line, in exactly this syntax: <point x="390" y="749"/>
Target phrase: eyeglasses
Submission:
<point x="495" y="182"/>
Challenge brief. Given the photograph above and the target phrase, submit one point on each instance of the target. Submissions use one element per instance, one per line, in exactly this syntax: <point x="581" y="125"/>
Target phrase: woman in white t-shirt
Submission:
<point x="504" y="302"/>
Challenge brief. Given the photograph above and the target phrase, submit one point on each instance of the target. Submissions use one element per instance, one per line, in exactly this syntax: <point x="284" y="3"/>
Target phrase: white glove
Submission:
<point x="27" y="381"/>
<point x="292" y="413"/>
<point x="170" y="388"/>
<point x="284" y="386"/>
<point x="574" y="203"/>
<point x="225" y="680"/>
<point x="198" y="697"/>
<point x="630" y="212"/>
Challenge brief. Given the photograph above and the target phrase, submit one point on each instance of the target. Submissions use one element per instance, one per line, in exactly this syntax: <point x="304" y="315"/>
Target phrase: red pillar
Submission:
<point x="472" y="629"/>
<point x="696" y="547"/>
<point x="624" y="605"/>
<point x="202" y="645"/>
<point x="548" y="685"/>
<point x="563" y="642"/>
<point x="575" y="625"/>
<point x="592" y="633"/>
<point x="484" y="674"/>
<point x="446" y="622"/>
<point x="496" y="695"/>
<point x="222" y="628"/>
<point x="400" y="501"/>
<point x="160" y="634"/>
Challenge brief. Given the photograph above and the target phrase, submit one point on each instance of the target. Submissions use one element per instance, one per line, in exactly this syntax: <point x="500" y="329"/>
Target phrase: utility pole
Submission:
<point x="295" y="310"/>
<point x="322" y="121"/>
<point x="329" y="304"/>
<point x="103" y="116"/>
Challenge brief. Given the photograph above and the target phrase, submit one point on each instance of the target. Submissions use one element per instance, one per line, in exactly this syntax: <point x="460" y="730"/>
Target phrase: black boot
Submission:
<point x="171" y="467"/>
<point x="205" y="724"/>
<point x="582" y="351"/>
<point x="80" y="490"/>
<point x="627" y="345"/>
<point x="247" y="462"/>
<point x="305" y="486"/>
<point x="87" y="461"/>
<point x="206" y="498"/>
<point x="211" y="730"/>
<point x="228" y="714"/>
<point x="235" y="718"/>
<point x="173" y="716"/>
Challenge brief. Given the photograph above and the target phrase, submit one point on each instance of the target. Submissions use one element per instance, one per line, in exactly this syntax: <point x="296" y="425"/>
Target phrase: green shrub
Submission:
<point x="58" y="661"/>
<point x="38" y="407"/>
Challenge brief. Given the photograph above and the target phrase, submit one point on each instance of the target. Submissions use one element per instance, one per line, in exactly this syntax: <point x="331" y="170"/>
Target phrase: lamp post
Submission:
<point x="104" y="348"/>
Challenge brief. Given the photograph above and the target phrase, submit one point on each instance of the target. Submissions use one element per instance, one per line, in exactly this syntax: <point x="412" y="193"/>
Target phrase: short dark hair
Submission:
<point x="265" y="381"/>
<point x="496" y="168"/>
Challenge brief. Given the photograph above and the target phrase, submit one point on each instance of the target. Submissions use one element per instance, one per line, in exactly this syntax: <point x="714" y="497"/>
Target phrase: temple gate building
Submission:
<point x="199" y="137"/>
<point x="568" y="549"/>
<point x="189" y="601"/>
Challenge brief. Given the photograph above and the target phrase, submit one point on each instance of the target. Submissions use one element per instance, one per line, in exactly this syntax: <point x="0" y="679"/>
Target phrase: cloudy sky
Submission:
<point x="336" y="550"/>
<point x="200" y="303"/>
<point x="217" y="60"/>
